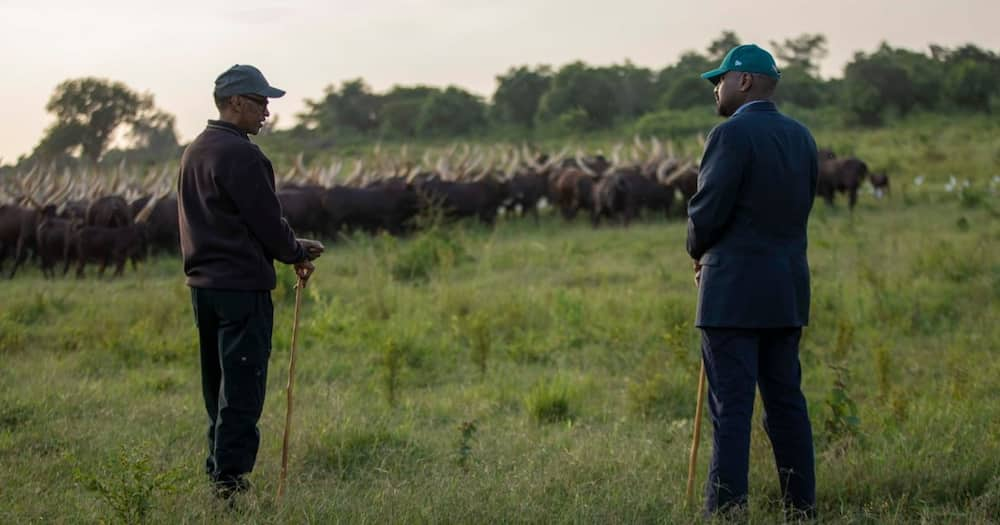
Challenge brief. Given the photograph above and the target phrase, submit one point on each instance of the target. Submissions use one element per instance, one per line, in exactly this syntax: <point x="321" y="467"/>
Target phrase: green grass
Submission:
<point x="531" y="374"/>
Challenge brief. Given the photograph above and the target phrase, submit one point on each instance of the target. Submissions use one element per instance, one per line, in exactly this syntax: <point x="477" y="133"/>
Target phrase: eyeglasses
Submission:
<point x="260" y="101"/>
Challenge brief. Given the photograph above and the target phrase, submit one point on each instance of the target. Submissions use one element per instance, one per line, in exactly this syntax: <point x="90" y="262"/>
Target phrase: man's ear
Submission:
<point x="746" y="82"/>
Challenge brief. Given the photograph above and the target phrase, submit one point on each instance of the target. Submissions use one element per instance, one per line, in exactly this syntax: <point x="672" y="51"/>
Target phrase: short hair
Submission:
<point x="221" y="102"/>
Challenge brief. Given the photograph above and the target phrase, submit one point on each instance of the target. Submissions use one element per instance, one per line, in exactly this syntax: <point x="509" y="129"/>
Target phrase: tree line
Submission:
<point x="543" y="101"/>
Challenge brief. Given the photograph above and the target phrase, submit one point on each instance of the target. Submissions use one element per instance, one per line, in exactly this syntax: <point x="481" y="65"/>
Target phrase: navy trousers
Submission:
<point x="736" y="362"/>
<point x="234" y="330"/>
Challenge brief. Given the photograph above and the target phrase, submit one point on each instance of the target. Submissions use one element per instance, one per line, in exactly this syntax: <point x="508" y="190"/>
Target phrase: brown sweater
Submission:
<point x="231" y="223"/>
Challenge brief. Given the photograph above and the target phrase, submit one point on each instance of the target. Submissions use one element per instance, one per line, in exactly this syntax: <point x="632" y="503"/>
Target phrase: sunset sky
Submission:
<point x="175" y="49"/>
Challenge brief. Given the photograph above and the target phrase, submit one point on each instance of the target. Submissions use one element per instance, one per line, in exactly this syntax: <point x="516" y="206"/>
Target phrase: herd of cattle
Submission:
<point x="79" y="218"/>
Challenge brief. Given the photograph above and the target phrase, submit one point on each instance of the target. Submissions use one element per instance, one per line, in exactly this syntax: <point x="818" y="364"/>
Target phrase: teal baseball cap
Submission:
<point x="747" y="58"/>
<point x="243" y="79"/>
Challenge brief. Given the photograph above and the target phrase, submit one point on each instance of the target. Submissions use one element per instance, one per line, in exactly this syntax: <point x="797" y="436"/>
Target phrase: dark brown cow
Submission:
<point x="162" y="225"/>
<point x="109" y="245"/>
<point x="111" y="211"/>
<point x="302" y="207"/>
<point x="53" y="244"/>
<point x="526" y="188"/>
<point x="841" y="175"/>
<point x="11" y="218"/>
<point x="572" y="191"/>
<point x="611" y="198"/>
<point x="880" y="181"/>
<point x="27" y="226"/>
<point x="480" y="198"/>
<point x="685" y="181"/>
<point x="388" y="208"/>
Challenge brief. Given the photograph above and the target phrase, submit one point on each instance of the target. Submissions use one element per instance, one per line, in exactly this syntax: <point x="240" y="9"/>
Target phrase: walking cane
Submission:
<point x="303" y="277"/>
<point x="693" y="460"/>
<point x="699" y="405"/>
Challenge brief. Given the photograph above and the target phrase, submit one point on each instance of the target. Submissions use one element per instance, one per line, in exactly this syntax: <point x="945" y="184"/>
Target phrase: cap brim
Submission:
<point x="272" y="92"/>
<point x="714" y="75"/>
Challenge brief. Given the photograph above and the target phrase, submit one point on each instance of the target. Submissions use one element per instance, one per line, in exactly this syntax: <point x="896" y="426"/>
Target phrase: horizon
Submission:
<point x="124" y="42"/>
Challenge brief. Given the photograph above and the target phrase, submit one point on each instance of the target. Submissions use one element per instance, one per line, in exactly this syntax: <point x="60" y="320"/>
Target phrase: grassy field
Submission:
<point x="526" y="374"/>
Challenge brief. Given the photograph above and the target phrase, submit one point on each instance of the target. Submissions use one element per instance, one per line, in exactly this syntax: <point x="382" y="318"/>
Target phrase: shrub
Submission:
<point x="677" y="124"/>
<point x="419" y="258"/>
<point x="549" y="402"/>
<point x="129" y="483"/>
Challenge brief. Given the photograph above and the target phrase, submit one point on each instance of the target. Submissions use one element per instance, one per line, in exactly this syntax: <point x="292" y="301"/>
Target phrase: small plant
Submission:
<point x="419" y="258"/>
<point x="129" y="484"/>
<point x="392" y="364"/>
<point x="899" y="406"/>
<point x="468" y="432"/>
<point x="883" y="370"/>
<point x="475" y="329"/>
<point x="843" y="420"/>
<point x="549" y="402"/>
<point x="845" y="339"/>
<point x="13" y="414"/>
<point x="12" y="336"/>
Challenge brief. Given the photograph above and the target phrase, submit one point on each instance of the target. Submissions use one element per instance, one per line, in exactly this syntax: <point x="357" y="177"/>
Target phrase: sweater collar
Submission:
<point x="227" y="127"/>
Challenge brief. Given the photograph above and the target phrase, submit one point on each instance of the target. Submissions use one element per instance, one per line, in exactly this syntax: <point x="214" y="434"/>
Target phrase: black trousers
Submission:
<point x="737" y="361"/>
<point x="234" y="329"/>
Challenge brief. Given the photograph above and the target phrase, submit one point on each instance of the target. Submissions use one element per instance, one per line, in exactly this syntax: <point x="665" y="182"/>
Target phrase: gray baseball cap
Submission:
<point x="243" y="79"/>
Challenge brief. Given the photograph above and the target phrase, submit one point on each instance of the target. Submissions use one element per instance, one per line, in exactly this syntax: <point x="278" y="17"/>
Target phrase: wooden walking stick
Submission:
<point x="699" y="405"/>
<point x="303" y="277"/>
<point x="693" y="460"/>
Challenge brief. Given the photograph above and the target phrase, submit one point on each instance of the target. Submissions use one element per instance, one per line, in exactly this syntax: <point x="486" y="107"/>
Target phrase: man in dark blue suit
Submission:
<point x="747" y="235"/>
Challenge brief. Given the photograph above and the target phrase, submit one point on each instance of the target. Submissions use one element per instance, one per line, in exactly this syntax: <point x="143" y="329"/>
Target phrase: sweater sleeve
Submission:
<point x="252" y="191"/>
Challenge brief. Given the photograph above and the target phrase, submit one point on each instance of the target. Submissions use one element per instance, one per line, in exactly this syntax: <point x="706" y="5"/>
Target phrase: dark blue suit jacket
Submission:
<point x="747" y="221"/>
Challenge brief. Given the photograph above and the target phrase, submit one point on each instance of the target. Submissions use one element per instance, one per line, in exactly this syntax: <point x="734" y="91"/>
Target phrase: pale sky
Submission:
<point x="174" y="49"/>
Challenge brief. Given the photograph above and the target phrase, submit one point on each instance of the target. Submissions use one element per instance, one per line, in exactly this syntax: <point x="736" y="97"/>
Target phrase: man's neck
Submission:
<point x="228" y="119"/>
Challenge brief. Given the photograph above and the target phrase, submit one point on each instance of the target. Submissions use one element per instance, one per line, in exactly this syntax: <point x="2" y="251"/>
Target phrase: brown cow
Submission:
<point x="843" y="175"/>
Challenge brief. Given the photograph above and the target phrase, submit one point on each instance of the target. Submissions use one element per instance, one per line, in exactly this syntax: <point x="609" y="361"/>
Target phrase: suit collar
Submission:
<point x="755" y="106"/>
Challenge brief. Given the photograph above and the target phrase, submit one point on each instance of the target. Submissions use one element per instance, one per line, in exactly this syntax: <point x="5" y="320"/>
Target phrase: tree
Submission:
<point x="718" y="48"/>
<point x="890" y="78"/>
<point x="451" y="112"/>
<point x="799" y="87"/>
<point x="971" y="84"/>
<point x="680" y="85"/>
<point x="687" y="92"/>
<point x="351" y="108"/>
<point x="803" y="52"/>
<point x="873" y="83"/>
<point x="634" y="89"/>
<point x="973" y="75"/>
<point x="579" y="87"/>
<point x="88" y="111"/>
<point x="518" y="94"/>
<point x="401" y="110"/>
<point x="154" y="135"/>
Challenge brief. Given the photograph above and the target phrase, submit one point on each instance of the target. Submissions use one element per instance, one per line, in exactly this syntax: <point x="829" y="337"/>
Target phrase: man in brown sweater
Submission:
<point x="231" y="230"/>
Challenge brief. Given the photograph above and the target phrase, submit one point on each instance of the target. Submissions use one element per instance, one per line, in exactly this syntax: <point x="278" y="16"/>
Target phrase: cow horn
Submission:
<point x="147" y="210"/>
<point x="583" y="165"/>
<point x="638" y="143"/>
<point x="664" y="168"/>
<point x="27" y="194"/>
<point x="557" y="158"/>
<point x="615" y="160"/>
